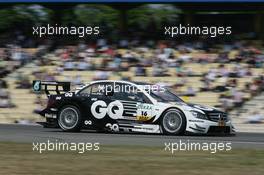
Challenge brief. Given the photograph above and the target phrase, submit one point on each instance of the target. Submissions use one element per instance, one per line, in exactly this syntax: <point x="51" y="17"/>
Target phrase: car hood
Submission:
<point x="205" y="109"/>
<point x="198" y="107"/>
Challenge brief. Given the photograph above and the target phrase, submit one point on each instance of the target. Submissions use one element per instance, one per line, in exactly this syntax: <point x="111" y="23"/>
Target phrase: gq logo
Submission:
<point x="115" y="109"/>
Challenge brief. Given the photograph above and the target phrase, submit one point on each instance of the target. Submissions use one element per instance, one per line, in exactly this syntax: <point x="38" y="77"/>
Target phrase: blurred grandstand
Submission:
<point x="227" y="74"/>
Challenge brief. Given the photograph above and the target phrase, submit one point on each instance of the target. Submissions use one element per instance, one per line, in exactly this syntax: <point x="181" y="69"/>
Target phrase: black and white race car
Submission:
<point x="118" y="106"/>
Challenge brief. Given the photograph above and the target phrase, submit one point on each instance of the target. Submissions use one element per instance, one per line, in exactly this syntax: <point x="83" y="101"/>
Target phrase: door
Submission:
<point x="96" y="103"/>
<point x="136" y="105"/>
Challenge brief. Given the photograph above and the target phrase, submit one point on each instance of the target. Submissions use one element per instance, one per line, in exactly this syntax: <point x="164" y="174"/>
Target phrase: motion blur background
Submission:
<point x="225" y="72"/>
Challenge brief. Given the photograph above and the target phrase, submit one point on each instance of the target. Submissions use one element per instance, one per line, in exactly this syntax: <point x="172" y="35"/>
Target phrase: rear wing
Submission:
<point x="51" y="86"/>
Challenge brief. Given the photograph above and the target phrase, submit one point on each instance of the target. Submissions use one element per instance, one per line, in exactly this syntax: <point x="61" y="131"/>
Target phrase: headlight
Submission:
<point x="198" y="115"/>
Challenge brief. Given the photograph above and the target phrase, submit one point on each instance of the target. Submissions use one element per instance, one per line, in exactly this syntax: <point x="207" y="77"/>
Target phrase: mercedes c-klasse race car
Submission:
<point x="121" y="106"/>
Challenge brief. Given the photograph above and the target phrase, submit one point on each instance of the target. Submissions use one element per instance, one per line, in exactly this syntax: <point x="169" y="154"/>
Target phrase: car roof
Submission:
<point x="141" y="83"/>
<point x="120" y="81"/>
<point x="135" y="83"/>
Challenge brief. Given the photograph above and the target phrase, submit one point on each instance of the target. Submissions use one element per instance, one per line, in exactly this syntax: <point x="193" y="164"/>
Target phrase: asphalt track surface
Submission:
<point x="36" y="133"/>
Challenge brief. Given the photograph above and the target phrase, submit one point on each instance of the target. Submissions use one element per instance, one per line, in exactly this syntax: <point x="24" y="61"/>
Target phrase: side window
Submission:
<point x="98" y="89"/>
<point x="94" y="89"/>
<point x="127" y="92"/>
<point x="86" y="91"/>
<point x="141" y="97"/>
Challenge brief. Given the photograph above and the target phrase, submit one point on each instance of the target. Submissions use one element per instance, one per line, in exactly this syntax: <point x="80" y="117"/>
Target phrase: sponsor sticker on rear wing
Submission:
<point x="49" y="86"/>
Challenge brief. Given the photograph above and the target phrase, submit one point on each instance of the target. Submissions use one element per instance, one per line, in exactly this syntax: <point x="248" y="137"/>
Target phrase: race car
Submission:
<point x="122" y="106"/>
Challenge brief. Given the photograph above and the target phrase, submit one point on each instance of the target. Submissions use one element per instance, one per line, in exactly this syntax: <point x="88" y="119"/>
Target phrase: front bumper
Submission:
<point x="210" y="127"/>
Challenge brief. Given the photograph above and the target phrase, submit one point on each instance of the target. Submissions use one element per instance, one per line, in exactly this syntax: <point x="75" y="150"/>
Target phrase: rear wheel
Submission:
<point x="70" y="118"/>
<point x="173" y="122"/>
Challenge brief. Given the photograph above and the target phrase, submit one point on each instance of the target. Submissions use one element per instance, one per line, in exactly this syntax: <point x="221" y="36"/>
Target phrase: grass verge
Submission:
<point x="18" y="158"/>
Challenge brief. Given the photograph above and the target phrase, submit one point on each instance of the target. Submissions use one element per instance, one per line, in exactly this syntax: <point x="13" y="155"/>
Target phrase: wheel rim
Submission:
<point x="68" y="118"/>
<point x="172" y="121"/>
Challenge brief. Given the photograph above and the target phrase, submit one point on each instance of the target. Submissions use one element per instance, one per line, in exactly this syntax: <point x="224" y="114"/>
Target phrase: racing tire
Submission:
<point x="173" y="122"/>
<point x="70" y="119"/>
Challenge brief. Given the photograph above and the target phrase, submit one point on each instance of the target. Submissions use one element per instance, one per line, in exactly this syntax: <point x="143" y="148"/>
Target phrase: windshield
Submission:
<point x="166" y="95"/>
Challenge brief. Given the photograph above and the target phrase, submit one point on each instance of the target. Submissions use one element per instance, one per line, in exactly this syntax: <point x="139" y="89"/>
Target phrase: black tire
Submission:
<point x="173" y="122"/>
<point x="70" y="119"/>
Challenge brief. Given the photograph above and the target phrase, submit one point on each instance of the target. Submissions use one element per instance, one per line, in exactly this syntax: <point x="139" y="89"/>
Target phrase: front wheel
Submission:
<point x="173" y="122"/>
<point x="70" y="118"/>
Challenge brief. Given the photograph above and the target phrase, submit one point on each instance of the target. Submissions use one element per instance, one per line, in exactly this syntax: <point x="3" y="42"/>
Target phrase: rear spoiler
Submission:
<point x="47" y="86"/>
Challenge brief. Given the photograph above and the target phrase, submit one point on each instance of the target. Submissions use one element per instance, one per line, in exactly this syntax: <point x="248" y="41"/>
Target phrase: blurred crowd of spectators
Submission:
<point x="163" y="55"/>
<point x="5" y="99"/>
<point x="107" y="58"/>
<point x="12" y="57"/>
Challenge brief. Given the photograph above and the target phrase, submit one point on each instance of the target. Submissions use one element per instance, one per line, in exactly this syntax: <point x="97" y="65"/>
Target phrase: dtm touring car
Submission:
<point x="121" y="106"/>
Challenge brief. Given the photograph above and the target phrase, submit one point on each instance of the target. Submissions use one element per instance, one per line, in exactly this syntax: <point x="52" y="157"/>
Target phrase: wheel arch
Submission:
<point x="69" y="103"/>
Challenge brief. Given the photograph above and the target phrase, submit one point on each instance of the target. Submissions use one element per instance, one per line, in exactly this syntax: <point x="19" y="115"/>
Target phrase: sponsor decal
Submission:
<point x="50" y="115"/>
<point x="68" y="94"/>
<point x="114" y="110"/>
<point x="196" y="121"/>
<point x="112" y="127"/>
<point x="88" y="122"/>
<point x="37" y="85"/>
<point x="144" y="112"/>
<point x="147" y="128"/>
<point x="143" y="118"/>
<point x="144" y="107"/>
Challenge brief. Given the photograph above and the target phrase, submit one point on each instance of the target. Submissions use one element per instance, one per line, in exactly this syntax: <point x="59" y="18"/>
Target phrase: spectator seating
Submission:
<point x="24" y="99"/>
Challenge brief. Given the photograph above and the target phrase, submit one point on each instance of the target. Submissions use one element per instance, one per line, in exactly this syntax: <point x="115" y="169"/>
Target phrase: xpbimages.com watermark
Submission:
<point x="50" y="146"/>
<point x="128" y="88"/>
<point x="80" y="31"/>
<point x="210" y="31"/>
<point x="212" y="147"/>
